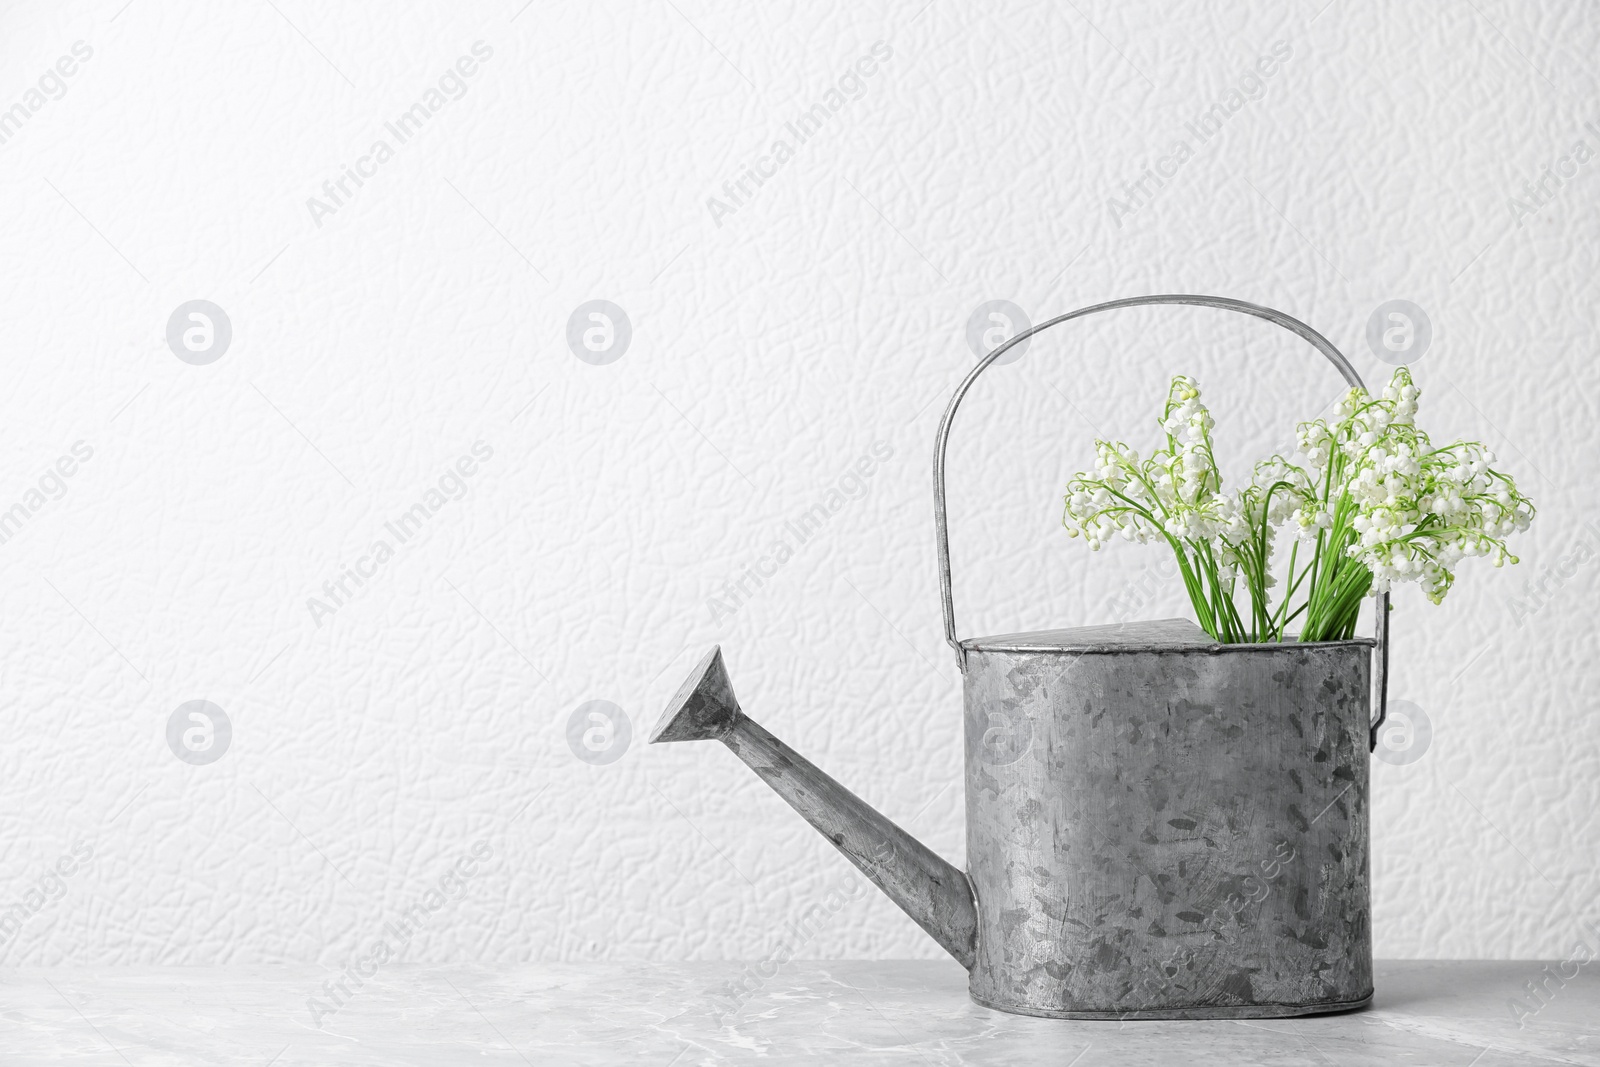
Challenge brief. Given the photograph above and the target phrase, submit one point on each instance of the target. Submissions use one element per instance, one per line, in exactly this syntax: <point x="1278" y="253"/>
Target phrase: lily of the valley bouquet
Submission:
<point x="1369" y="499"/>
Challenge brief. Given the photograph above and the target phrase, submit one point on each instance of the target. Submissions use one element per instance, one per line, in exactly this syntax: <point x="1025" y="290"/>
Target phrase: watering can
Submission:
<point x="1158" y="826"/>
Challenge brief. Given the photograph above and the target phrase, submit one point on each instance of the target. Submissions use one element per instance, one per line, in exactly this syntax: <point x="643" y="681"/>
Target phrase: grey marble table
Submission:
<point x="911" y="1012"/>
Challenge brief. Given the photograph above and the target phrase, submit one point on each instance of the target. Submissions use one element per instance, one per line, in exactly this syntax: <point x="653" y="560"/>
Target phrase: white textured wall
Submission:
<point x="773" y="348"/>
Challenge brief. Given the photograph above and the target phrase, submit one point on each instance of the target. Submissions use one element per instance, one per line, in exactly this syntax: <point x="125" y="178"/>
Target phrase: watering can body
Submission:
<point x="1158" y="825"/>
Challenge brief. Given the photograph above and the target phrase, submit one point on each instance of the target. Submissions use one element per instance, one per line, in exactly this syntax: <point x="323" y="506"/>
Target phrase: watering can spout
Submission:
<point x="934" y="893"/>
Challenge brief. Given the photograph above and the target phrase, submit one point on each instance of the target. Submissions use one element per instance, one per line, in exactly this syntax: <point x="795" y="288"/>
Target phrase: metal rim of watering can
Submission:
<point x="1272" y="315"/>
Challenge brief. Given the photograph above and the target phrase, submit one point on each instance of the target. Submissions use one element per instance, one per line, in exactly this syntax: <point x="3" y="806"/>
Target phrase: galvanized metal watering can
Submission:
<point x="1158" y="826"/>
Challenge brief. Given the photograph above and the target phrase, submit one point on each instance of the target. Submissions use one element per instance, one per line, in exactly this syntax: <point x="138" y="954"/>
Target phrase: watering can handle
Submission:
<point x="1288" y="322"/>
